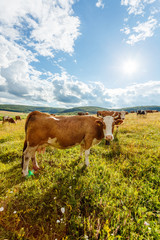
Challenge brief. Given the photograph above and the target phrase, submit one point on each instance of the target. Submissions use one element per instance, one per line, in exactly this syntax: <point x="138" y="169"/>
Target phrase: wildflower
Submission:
<point x="15" y="212"/>
<point x="58" y="221"/>
<point x="146" y="223"/>
<point x="63" y="210"/>
<point x="85" y="237"/>
<point x="1" y="209"/>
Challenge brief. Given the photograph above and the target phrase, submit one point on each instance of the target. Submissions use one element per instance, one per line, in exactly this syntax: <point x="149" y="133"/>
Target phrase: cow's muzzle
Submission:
<point x="109" y="137"/>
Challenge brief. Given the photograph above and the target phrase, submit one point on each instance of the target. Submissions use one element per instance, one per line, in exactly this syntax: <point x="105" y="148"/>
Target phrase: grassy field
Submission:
<point x="117" y="197"/>
<point x="12" y="114"/>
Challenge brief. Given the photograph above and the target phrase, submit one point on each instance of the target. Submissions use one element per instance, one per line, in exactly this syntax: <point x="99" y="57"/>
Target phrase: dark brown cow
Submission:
<point x="149" y="111"/>
<point x="42" y="129"/>
<point x="8" y="119"/>
<point x="82" y="113"/>
<point x="17" y="118"/>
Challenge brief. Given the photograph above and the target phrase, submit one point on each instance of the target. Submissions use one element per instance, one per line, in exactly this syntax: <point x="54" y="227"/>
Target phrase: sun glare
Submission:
<point x="130" y="66"/>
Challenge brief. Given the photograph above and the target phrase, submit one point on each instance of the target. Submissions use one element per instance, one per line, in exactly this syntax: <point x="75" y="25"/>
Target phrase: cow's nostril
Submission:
<point x="109" y="137"/>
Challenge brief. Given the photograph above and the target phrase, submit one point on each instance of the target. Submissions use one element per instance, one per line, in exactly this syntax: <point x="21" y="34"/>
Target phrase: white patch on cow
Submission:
<point x="54" y="118"/>
<point x="108" y="120"/>
<point x="30" y="151"/>
<point x="95" y="141"/>
<point x="54" y="142"/>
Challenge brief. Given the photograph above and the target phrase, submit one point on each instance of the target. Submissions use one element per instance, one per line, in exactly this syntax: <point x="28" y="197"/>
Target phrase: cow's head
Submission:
<point x="123" y="115"/>
<point x="108" y="125"/>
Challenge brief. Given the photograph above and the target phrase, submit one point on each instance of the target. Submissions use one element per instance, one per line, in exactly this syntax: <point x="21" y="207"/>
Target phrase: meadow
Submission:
<point x="116" y="197"/>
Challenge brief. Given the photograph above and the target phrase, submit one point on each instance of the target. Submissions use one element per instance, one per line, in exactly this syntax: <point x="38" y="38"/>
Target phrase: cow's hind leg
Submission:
<point x="81" y="151"/>
<point x="87" y="152"/>
<point x="28" y="153"/>
<point x="34" y="162"/>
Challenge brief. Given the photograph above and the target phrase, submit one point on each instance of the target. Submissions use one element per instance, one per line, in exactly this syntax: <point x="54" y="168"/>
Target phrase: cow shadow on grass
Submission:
<point x="56" y="207"/>
<point x="11" y="177"/>
<point x="113" y="148"/>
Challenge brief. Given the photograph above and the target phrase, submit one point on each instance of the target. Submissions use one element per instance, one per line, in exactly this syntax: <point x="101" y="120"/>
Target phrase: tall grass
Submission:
<point x="116" y="197"/>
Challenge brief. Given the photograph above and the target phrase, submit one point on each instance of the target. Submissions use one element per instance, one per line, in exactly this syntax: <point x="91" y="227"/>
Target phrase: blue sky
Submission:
<point x="69" y="53"/>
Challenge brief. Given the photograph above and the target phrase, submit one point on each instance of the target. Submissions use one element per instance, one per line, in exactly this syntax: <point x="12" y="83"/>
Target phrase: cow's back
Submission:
<point x="63" y="132"/>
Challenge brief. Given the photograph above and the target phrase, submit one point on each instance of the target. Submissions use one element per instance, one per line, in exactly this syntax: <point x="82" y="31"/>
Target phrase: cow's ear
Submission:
<point x="118" y="122"/>
<point x="100" y="123"/>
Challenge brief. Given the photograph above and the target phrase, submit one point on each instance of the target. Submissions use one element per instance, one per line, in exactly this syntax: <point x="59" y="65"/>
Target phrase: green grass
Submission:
<point x="116" y="197"/>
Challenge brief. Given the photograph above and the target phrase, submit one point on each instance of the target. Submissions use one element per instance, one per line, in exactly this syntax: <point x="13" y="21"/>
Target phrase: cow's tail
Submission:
<point x="24" y="148"/>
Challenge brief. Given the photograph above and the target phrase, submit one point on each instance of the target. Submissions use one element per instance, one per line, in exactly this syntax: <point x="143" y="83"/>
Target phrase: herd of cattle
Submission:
<point x="43" y="129"/>
<point x="10" y="119"/>
<point x="99" y="113"/>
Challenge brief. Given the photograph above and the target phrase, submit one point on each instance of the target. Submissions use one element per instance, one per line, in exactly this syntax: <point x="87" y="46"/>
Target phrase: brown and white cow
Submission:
<point x="120" y="115"/>
<point x="8" y="119"/>
<point x="43" y="129"/>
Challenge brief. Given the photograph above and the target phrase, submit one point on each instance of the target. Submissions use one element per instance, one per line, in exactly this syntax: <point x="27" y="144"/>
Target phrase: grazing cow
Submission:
<point x="82" y="113"/>
<point x="8" y="119"/>
<point x="17" y="118"/>
<point x="141" y="112"/>
<point x="132" y="112"/>
<point x="42" y="129"/>
<point x="120" y="115"/>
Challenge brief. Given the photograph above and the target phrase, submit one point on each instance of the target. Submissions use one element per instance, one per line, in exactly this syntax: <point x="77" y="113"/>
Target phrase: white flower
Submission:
<point x="146" y="223"/>
<point x="85" y="237"/>
<point x="63" y="210"/>
<point x="15" y="212"/>
<point x="1" y="209"/>
<point x="58" y="221"/>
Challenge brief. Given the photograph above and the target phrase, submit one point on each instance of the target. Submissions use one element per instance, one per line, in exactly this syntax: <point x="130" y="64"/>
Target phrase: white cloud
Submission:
<point x="29" y="29"/>
<point x="50" y="24"/>
<point x="64" y="90"/>
<point x="136" y="6"/>
<point x="99" y="4"/>
<point x="144" y="11"/>
<point x="142" y="31"/>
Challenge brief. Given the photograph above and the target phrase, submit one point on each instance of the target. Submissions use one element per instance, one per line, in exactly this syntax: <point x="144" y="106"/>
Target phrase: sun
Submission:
<point x="130" y="66"/>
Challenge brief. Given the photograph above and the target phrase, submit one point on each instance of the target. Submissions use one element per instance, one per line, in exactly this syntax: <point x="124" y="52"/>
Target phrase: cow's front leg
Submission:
<point x="87" y="152"/>
<point x="81" y="151"/>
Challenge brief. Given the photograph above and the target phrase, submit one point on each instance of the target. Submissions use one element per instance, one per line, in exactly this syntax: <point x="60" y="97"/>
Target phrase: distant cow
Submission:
<point x="141" y="112"/>
<point x="8" y="119"/>
<point x="41" y="129"/>
<point x="17" y="118"/>
<point x="132" y="111"/>
<point x="82" y="113"/>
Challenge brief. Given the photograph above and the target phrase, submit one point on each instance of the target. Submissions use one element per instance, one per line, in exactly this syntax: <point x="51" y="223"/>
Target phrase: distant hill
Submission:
<point x="75" y="110"/>
<point x="27" y="109"/>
